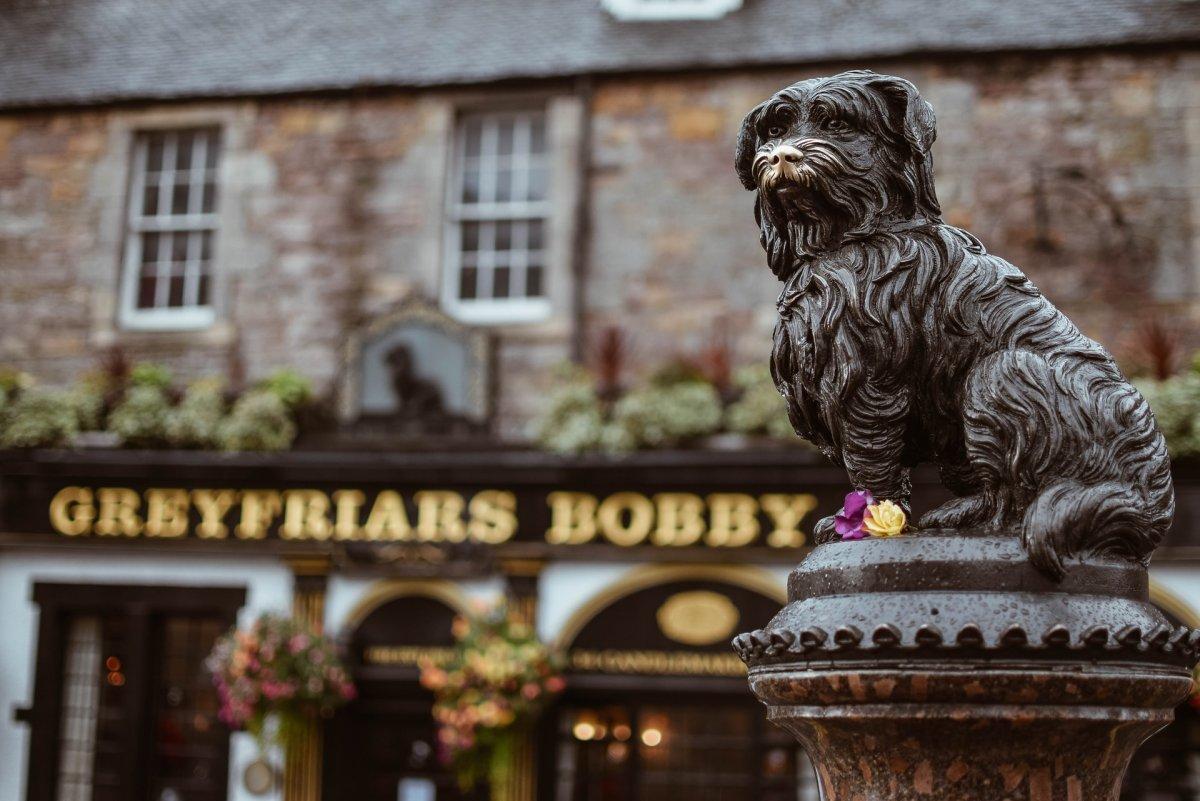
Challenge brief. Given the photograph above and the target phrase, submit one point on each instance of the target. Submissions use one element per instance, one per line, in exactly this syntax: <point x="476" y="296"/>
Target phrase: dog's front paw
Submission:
<point x="962" y="512"/>
<point x="826" y="530"/>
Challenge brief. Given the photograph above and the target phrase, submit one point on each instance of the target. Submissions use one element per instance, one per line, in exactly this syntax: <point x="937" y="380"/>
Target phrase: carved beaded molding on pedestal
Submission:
<point x="901" y="340"/>
<point x="1173" y="644"/>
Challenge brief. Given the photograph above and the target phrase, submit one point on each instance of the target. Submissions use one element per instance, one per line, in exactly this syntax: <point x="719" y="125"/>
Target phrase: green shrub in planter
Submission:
<point x="140" y="419"/>
<point x="662" y="415"/>
<point x="759" y="409"/>
<point x="150" y="374"/>
<point x="573" y="421"/>
<point x="259" y="421"/>
<point x="88" y="401"/>
<point x="37" y="420"/>
<point x="291" y="387"/>
<point x="1176" y="406"/>
<point x="196" y="421"/>
<point x="12" y="381"/>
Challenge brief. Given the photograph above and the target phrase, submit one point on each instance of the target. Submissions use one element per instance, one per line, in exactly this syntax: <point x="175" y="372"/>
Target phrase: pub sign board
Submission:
<point x="679" y="502"/>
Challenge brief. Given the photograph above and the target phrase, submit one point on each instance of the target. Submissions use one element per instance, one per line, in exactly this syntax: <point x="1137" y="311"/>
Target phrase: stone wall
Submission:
<point x="1103" y="149"/>
<point x="331" y="212"/>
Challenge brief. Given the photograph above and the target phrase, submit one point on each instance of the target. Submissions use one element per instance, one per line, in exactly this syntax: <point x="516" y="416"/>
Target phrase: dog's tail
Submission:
<point x="1068" y="517"/>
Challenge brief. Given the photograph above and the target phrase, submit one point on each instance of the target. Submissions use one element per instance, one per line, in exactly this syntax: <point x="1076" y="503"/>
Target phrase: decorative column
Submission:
<point x="302" y="763"/>
<point x="975" y="677"/>
<point x="520" y="782"/>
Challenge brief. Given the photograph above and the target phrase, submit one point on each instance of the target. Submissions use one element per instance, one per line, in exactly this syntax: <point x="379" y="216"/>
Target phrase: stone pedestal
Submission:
<point x="945" y="666"/>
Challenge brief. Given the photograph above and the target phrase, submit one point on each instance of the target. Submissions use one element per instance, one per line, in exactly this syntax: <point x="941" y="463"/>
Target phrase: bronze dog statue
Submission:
<point x="901" y="340"/>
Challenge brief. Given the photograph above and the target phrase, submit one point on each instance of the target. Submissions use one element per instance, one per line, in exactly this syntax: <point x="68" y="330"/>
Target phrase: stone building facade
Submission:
<point x="1082" y="167"/>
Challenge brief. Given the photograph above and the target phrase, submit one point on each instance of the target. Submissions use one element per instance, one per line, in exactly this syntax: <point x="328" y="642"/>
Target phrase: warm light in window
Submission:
<point x="116" y="679"/>
<point x="651" y="737"/>
<point x="617" y="752"/>
<point x="112" y="663"/>
<point x="621" y="731"/>
<point x="584" y="730"/>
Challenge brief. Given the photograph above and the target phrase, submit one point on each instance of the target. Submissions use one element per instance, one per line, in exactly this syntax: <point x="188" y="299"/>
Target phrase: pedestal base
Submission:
<point x="979" y="735"/>
<point x="945" y="666"/>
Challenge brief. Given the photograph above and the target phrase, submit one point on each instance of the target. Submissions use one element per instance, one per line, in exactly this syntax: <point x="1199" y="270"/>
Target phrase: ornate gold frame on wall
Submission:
<point x="418" y="310"/>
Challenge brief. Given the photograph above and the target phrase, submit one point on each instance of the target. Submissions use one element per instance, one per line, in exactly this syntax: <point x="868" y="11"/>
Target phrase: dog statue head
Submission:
<point x="835" y="159"/>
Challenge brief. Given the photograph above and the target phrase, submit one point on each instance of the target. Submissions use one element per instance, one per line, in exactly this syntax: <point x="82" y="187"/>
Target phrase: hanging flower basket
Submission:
<point x="488" y="693"/>
<point x="274" y="676"/>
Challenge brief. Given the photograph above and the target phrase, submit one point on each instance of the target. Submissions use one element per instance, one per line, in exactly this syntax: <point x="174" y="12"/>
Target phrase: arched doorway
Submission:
<point x="657" y="705"/>
<point x="1167" y="767"/>
<point x="382" y="746"/>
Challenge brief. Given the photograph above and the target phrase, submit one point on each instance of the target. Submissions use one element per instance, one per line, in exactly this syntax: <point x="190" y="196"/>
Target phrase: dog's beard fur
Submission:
<point x="829" y="197"/>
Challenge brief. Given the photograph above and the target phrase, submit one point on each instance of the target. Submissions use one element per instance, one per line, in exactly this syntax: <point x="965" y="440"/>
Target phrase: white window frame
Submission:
<point x="665" y="10"/>
<point x="487" y="310"/>
<point x="180" y="318"/>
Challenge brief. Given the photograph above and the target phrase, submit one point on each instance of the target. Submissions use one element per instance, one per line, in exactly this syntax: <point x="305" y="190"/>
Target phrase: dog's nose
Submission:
<point x="785" y="153"/>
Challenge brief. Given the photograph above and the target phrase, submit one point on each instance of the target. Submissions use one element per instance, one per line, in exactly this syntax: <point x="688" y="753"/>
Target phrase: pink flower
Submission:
<point x="849" y="521"/>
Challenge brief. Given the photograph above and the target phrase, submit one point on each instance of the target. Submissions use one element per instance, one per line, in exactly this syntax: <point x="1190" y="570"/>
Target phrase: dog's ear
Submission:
<point x="912" y="117"/>
<point x="747" y="147"/>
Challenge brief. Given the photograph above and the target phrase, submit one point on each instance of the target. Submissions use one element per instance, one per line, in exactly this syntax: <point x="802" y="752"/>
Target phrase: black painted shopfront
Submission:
<point x="656" y="705"/>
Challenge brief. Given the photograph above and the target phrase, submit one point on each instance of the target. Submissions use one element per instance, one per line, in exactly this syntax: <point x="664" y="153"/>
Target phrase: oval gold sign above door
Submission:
<point x="698" y="617"/>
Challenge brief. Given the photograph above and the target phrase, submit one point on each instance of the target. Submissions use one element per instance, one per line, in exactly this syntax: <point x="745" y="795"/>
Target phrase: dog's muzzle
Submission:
<point x="780" y="165"/>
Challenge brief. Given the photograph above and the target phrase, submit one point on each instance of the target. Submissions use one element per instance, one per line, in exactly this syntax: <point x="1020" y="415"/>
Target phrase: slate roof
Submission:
<point x="91" y="51"/>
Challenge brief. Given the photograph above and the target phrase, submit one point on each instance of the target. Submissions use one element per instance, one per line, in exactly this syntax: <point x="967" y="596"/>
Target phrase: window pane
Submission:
<point x="533" y="281"/>
<point x="538" y="178"/>
<point x="147" y="286"/>
<point x="504" y="142"/>
<point x="179" y="196"/>
<point x="502" y="165"/>
<point x="470" y="237"/>
<point x="504" y="230"/>
<point x="183" y="151"/>
<point x="154" y="152"/>
<point x="189" y="744"/>
<point x="500" y="281"/>
<point x="504" y="185"/>
<point x="202" y="293"/>
<point x="150" y="200"/>
<point x="473" y="136"/>
<point x="149" y="247"/>
<point x="537" y="134"/>
<point x="534" y="232"/>
<point x="466" y="283"/>
<point x="208" y="198"/>
<point x="113" y="680"/>
<point x="80" y="710"/>
<point x="470" y="190"/>
<point x="179" y="247"/>
<point x="210" y="153"/>
<point x="181" y="154"/>
<point x="175" y="292"/>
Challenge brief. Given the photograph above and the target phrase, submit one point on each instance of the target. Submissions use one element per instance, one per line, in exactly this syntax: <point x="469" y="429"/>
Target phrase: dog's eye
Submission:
<point x="835" y="125"/>
<point x="776" y="131"/>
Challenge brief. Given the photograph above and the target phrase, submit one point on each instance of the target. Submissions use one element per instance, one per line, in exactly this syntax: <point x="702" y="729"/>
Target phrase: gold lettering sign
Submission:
<point x="406" y="655"/>
<point x="661" y="663"/>
<point x="673" y="519"/>
<point x="624" y="519"/>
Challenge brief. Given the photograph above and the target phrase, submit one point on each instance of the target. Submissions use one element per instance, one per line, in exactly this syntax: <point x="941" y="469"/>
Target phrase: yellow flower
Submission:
<point x="884" y="519"/>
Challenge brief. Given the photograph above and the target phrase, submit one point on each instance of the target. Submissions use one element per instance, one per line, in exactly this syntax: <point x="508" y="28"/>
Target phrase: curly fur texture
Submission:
<point x="901" y="340"/>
